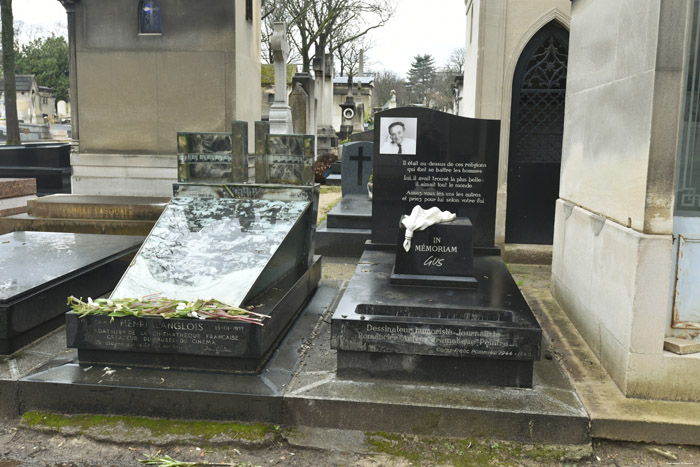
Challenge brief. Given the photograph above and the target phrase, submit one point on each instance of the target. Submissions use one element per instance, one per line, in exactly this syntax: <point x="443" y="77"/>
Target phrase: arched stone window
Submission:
<point x="149" y="17"/>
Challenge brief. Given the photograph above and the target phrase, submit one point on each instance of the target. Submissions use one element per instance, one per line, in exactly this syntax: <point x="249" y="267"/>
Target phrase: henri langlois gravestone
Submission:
<point x="430" y="158"/>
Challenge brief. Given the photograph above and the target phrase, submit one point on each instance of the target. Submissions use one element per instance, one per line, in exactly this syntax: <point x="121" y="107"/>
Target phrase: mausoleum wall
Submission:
<point x="137" y="90"/>
<point x="612" y="268"/>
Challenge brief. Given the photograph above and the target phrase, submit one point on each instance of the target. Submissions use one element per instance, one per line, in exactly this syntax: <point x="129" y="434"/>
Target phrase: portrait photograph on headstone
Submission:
<point x="398" y="136"/>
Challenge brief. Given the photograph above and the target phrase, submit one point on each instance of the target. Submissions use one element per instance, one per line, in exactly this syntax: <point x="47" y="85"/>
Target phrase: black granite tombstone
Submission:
<point x="245" y="245"/>
<point x="347" y="226"/>
<point x="469" y="323"/>
<point x="455" y="167"/>
<point x="439" y="256"/>
<point x="48" y="163"/>
<point x="357" y="167"/>
<point x="38" y="270"/>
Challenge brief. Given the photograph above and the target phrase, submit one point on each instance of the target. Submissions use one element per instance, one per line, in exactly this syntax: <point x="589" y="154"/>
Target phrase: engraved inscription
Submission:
<point x="446" y="340"/>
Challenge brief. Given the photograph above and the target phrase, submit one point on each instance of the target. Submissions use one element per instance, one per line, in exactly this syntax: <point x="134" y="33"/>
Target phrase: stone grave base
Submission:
<point x="482" y="335"/>
<point x="347" y="227"/>
<point x="426" y="368"/>
<point x="191" y="344"/>
<point x="39" y="270"/>
<point x="297" y="387"/>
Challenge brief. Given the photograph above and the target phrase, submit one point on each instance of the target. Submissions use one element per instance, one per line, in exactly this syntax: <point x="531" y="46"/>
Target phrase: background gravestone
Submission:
<point x="455" y="168"/>
<point x="357" y="167"/>
<point x="204" y="157"/>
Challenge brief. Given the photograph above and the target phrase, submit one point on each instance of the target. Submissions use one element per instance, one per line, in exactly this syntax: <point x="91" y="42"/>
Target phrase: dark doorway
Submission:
<point x="536" y="129"/>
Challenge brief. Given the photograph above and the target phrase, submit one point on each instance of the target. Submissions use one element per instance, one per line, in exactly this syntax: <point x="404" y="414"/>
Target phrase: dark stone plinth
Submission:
<point x="426" y="368"/>
<point x="49" y="164"/>
<point x="56" y="155"/>
<point x="352" y="212"/>
<point x="454" y="167"/>
<point x="341" y="242"/>
<point x="49" y="180"/>
<point x="440" y="250"/>
<point x="39" y="270"/>
<point x="217" y="345"/>
<point x="491" y="322"/>
<point x="62" y="385"/>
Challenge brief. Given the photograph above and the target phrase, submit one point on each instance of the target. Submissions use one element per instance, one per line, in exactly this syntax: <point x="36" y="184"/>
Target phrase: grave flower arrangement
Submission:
<point x="165" y="308"/>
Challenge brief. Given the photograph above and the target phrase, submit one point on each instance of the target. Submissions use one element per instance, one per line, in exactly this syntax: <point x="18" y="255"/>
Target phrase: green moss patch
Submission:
<point x="459" y="452"/>
<point x="119" y="428"/>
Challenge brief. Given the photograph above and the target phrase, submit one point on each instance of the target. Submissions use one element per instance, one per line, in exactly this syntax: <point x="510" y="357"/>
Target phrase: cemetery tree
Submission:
<point x="329" y="24"/>
<point x="47" y="59"/>
<point x="421" y="78"/>
<point x="349" y="55"/>
<point x="455" y="62"/>
<point x="8" y="67"/>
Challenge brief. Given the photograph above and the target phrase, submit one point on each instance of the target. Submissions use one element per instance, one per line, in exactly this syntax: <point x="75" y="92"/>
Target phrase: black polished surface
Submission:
<point x="218" y="345"/>
<point x="352" y="212"/>
<point x="440" y="250"/>
<point x="455" y="168"/>
<point x="491" y="321"/>
<point x="39" y="270"/>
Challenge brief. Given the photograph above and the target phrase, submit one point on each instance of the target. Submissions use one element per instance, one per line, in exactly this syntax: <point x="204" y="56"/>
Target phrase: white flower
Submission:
<point x="119" y="306"/>
<point x="193" y="314"/>
<point x="180" y="306"/>
<point x="110" y="302"/>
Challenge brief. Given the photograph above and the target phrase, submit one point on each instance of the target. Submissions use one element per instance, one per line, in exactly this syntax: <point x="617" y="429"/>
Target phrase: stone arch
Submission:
<point x="552" y="16"/>
<point x="535" y="136"/>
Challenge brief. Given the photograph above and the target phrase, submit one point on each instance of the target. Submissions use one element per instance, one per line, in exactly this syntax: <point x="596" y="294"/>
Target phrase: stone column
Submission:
<point x="69" y="5"/>
<point x="280" y="112"/>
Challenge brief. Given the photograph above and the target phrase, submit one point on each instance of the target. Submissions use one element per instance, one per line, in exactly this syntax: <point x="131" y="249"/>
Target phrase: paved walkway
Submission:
<point x="613" y="416"/>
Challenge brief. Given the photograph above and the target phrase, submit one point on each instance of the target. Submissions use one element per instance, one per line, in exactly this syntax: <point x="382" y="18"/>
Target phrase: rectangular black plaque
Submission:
<point x="440" y="250"/>
<point x="454" y="166"/>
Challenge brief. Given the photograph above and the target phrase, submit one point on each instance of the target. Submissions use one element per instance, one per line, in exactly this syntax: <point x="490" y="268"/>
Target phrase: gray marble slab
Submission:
<point x="29" y="260"/>
<point x="209" y="247"/>
<point x="357" y="167"/>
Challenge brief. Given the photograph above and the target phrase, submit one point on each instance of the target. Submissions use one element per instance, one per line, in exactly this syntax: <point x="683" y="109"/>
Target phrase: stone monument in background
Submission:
<point x="280" y="112"/>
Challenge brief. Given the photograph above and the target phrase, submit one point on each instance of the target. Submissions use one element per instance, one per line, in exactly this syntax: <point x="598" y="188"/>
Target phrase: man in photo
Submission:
<point x="398" y="143"/>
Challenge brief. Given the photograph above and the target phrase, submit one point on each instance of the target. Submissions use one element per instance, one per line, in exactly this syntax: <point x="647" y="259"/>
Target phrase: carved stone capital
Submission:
<point x="69" y="5"/>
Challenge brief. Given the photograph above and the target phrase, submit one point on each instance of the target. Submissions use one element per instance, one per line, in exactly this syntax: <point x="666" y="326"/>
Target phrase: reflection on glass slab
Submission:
<point x="30" y="259"/>
<point x="209" y="248"/>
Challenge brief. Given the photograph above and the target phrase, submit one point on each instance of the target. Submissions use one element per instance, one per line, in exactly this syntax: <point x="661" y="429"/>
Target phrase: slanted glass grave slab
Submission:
<point x="221" y="248"/>
<point x="242" y="251"/>
<point x="38" y="270"/>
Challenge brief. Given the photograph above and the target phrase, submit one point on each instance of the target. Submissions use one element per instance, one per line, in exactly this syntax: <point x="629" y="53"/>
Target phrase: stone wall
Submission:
<point x="612" y="257"/>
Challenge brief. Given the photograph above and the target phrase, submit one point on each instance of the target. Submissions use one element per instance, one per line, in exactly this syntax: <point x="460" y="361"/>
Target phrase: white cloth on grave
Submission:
<point x="421" y="219"/>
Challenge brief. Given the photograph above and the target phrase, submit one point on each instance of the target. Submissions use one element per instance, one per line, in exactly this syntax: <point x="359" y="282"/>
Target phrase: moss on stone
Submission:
<point x="458" y="452"/>
<point x="104" y="424"/>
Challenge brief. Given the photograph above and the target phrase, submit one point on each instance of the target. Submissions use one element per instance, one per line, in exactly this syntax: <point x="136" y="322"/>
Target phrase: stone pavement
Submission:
<point x="612" y="415"/>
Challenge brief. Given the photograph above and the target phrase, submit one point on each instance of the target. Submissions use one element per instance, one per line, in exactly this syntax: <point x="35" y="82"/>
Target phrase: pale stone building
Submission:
<point x="515" y="72"/>
<point x="34" y="102"/>
<point x="627" y="232"/>
<point x="183" y="66"/>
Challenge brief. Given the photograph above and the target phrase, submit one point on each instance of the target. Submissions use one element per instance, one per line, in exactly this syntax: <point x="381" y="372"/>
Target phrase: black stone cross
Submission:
<point x="359" y="158"/>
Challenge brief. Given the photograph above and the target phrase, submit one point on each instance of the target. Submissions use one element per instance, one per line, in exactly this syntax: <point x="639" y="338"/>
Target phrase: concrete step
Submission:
<point x="98" y="207"/>
<point x="99" y="226"/>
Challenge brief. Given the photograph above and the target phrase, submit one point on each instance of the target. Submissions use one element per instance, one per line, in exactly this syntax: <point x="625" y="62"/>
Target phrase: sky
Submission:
<point x="418" y="27"/>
